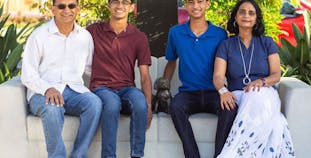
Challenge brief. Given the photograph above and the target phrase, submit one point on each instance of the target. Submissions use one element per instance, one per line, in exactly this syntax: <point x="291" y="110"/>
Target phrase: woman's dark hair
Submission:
<point x="55" y="0"/>
<point x="258" y="28"/>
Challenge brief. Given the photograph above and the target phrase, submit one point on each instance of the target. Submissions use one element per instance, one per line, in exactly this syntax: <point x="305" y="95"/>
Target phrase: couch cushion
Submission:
<point x="203" y="125"/>
<point x="35" y="129"/>
<point x="162" y="128"/>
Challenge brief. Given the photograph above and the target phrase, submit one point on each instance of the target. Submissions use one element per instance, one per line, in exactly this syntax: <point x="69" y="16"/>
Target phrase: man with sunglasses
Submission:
<point x="55" y="58"/>
<point x="195" y="44"/>
<point x="118" y="45"/>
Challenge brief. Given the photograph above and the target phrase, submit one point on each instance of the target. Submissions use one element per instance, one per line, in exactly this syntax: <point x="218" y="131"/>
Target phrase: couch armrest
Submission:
<point x="296" y="105"/>
<point x="13" y="111"/>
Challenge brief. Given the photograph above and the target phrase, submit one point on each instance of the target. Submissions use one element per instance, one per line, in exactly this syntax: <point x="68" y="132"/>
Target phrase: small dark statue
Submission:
<point x="160" y="100"/>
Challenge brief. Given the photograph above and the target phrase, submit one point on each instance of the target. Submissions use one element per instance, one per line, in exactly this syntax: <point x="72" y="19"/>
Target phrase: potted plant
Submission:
<point x="296" y="59"/>
<point x="11" y="46"/>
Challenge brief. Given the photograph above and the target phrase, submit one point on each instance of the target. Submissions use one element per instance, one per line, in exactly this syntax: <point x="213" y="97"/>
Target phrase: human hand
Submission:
<point x="149" y="116"/>
<point x="227" y="100"/>
<point x="53" y="96"/>
<point x="254" y="85"/>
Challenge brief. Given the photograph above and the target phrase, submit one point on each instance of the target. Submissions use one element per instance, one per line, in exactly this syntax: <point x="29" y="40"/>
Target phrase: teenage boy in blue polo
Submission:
<point x="195" y="44"/>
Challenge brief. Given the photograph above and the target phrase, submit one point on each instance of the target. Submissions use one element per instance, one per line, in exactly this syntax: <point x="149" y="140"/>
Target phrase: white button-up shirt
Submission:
<point x="53" y="60"/>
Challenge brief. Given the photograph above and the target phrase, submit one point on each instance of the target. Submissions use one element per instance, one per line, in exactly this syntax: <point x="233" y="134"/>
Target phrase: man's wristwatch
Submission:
<point x="223" y="90"/>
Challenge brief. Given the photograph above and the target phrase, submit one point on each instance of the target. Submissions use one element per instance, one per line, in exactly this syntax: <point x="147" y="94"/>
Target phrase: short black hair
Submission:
<point x="55" y="0"/>
<point x="258" y="29"/>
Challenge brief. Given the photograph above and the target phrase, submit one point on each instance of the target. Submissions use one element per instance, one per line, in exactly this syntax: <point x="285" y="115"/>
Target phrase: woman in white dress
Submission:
<point x="250" y="63"/>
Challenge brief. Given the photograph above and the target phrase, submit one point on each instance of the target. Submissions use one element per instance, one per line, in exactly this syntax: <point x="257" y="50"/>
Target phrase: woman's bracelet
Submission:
<point x="223" y="90"/>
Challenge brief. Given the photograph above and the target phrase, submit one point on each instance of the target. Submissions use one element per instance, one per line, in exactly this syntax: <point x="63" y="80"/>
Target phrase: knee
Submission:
<point x="49" y="111"/>
<point x="110" y="102"/>
<point x="174" y="108"/>
<point x="233" y="111"/>
<point x="228" y="114"/>
<point x="111" y="107"/>
<point x="138" y="101"/>
<point x="140" y="107"/>
<point x="134" y="94"/>
<point x="95" y="104"/>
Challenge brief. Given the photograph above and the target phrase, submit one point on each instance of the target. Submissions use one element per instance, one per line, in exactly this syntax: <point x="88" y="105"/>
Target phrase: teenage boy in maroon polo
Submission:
<point x="117" y="45"/>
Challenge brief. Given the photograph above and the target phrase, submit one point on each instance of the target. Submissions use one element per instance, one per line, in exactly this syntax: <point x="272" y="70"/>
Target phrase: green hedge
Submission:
<point x="218" y="13"/>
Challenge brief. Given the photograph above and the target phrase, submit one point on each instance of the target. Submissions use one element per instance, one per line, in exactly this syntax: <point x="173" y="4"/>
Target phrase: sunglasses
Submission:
<point x="63" y="6"/>
<point x="124" y="2"/>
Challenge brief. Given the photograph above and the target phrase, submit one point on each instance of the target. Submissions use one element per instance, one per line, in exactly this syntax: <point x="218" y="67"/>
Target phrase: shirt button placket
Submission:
<point x="63" y="73"/>
<point x="196" y="42"/>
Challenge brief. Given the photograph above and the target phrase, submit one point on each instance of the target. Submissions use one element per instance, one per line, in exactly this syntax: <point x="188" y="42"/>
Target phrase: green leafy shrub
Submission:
<point x="91" y="11"/>
<point x="218" y="13"/>
<point x="11" y="46"/>
<point x="296" y="59"/>
<point x="220" y="10"/>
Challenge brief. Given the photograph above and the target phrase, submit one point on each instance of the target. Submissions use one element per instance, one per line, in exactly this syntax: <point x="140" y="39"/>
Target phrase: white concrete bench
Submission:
<point x="21" y="134"/>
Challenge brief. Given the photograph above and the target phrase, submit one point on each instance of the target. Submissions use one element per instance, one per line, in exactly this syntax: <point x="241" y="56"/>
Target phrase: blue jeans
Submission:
<point x="190" y="102"/>
<point x="130" y="100"/>
<point x="85" y="105"/>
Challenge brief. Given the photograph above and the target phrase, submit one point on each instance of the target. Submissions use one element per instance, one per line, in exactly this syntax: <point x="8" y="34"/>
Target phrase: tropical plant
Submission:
<point x="270" y="10"/>
<point x="296" y="59"/>
<point x="11" y="47"/>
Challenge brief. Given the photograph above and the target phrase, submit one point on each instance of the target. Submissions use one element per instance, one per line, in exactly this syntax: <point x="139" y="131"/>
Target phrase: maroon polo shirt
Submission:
<point x="115" y="55"/>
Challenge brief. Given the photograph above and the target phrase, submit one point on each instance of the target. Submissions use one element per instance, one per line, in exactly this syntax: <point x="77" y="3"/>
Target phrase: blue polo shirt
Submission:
<point x="229" y="50"/>
<point x="196" y="55"/>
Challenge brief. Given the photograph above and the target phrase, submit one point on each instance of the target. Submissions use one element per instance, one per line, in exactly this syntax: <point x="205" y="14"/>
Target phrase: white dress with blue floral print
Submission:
<point x="259" y="130"/>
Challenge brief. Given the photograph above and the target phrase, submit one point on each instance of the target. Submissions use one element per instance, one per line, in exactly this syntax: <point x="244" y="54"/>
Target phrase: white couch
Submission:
<point x="21" y="134"/>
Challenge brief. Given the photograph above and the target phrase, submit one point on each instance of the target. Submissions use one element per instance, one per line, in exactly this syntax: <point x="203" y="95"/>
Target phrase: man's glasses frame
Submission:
<point x="64" y="6"/>
<point x="116" y="2"/>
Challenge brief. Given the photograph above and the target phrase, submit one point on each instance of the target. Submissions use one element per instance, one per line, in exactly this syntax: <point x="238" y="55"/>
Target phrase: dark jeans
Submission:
<point x="186" y="103"/>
